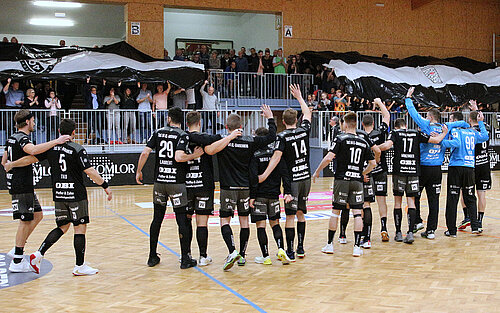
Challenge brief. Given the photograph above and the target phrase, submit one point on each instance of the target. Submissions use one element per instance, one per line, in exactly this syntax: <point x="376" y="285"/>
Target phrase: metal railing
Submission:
<point x="251" y="89"/>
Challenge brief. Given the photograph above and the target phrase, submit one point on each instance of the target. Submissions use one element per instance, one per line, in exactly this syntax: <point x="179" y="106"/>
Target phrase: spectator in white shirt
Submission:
<point x="52" y="103"/>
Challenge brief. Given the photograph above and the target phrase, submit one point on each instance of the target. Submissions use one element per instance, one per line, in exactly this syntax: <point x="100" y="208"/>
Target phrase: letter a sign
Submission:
<point x="288" y="31"/>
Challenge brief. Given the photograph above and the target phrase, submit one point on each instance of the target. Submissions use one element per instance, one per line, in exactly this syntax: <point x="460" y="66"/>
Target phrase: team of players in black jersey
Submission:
<point x="252" y="170"/>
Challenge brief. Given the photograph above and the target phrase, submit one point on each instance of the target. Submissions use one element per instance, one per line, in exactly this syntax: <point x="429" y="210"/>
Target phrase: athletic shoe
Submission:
<point x="328" y="248"/>
<point x="188" y="262"/>
<point x="154" y="260"/>
<point x="342" y="240"/>
<point x="36" y="261"/>
<point x="480" y="230"/>
<point x="291" y="256"/>
<point x="242" y="261"/>
<point x="464" y="224"/>
<point x="283" y="257"/>
<point x="409" y="238"/>
<point x="448" y="234"/>
<point x="429" y="234"/>
<point x="21" y="267"/>
<point x="231" y="258"/>
<point x="357" y="251"/>
<point x="205" y="261"/>
<point x="367" y="244"/>
<point x="263" y="260"/>
<point x="398" y="237"/>
<point x="300" y="252"/>
<point x="477" y="232"/>
<point x="385" y="236"/>
<point x="12" y="252"/>
<point x="418" y="227"/>
<point x="84" y="270"/>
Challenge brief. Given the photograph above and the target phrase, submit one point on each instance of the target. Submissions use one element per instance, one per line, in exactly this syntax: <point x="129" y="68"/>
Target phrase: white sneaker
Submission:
<point x="367" y="244"/>
<point x="21" y="267"/>
<point x="357" y="251"/>
<point x="36" y="261"/>
<point x="84" y="270"/>
<point x="343" y="240"/>
<point x="12" y="252"/>
<point x="263" y="260"/>
<point x="205" y="261"/>
<point x="328" y="249"/>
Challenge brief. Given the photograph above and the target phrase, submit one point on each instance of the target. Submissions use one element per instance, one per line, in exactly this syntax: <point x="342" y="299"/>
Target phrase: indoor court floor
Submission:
<point x="440" y="275"/>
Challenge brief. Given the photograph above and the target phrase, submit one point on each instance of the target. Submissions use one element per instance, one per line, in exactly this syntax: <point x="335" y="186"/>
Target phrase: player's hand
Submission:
<point x="7" y="166"/>
<point x="444" y="129"/>
<point x="251" y="202"/>
<point x="480" y="117"/>
<point x="109" y="193"/>
<point x="288" y="198"/>
<point x="236" y="133"/>
<point x="138" y="177"/>
<point x="62" y="139"/>
<point x="262" y="178"/>
<point x="410" y="92"/>
<point x="266" y="111"/>
<point x="473" y="105"/>
<point x="198" y="152"/>
<point x="435" y="134"/>
<point x="315" y="175"/>
<point x="366" y="179"/>
<point x="295" y="91"/>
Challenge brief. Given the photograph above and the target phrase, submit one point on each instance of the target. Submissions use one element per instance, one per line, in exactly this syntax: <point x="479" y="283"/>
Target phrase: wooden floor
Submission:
<point x="442" y="275"/>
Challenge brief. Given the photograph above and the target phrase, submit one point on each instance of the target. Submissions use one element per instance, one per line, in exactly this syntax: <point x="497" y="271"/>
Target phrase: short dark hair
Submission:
<point x="458" y="116"/>
<point x="21" y="117"/>
<point x="175" y="115"/>
<point x="400" y="122"/>
<point x="192" y="118"/>
<point x="351" y="119"/>
<point x="233" y="121"/>
<point x="473" y="116"/>
<point x="435" y="114"/>
<point x="261" y="131"/>
<point x="290" y="116"/>
<point x="367" y="120"/>
<point x="67" y="126"/>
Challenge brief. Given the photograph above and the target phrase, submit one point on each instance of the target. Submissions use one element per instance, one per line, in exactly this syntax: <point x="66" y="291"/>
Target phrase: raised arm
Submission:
<point x="275" y="160"/>
<point x="324" y="163"/>
<point x="262" y="141"/>
<point x="220" y="144"/>
<point x="6" y="87"/>
<point x="421" y="122"/>
<point x="386" y="116"/>
<point x="297" y="94"/>
<point x="483" y="134"/>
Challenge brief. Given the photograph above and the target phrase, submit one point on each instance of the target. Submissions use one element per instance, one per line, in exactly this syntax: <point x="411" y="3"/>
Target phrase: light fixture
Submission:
<point x="57" y="22"/>
<point x="379" y="4"/>
<point x="58" y="4"/>
<point x="57" y="14"/>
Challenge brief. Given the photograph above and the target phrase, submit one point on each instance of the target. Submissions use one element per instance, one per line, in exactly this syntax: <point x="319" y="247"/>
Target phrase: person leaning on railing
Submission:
<point x="93" y="101"/>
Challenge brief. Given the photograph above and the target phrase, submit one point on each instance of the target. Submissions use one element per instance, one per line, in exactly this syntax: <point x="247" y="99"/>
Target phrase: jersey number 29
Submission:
<point x="169" y="147"/>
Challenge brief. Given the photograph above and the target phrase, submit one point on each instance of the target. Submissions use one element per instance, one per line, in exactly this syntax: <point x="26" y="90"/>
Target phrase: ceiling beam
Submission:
<point x="415" y="4"/>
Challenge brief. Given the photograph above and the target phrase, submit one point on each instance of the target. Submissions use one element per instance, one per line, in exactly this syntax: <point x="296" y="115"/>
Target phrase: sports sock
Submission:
<point x="344" y="220"/>
<point x="367" y="223"/>
<point x="227" y="235"/>
<point x="202" y="239"/>
<point x="357" y="238"/>
<point x="398" y="217"/>
<point x="278" y="236"/>
<point x="154" y="229"/>
<point x="466" y="215"/>
<point x="290" y="237"/>
<point x="412" y="218"/>
<point x="244" y="235"/>
<point x="189" y="226"/>
<point x="480" y="216"/>
<point x="181" y="219"/>
<point x="79" y="244"/>
<point x="18" y="252"/>
<point x="262" y="237"/>
<point x="301" y="233"/>
<point x="331" y="234"/>
<point x="51" y="239"/>
<point x="383" y="222"/>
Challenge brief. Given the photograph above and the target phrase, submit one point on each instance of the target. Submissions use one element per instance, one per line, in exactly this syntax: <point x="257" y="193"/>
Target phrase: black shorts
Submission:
<point x="265" y="208"/>
<point x="347" y="192"/>
<point x="380" y="181"/>
<point x="175" y="192"/>
<point x="483" y="177"/>
<point x="405" y="184"/>
<point x="300" y="193"/>
<point x="368" y="193"/>
<point x="72" y="212"/>
<point x="24" y="205"/>
<point x="430" y="178"/>
<point x="461" y="178"/>
<point x="231" y="199"/>
<point x="200" y="202"/>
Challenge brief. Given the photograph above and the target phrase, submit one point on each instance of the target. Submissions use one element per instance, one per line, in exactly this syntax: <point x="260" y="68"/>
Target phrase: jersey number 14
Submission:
<point x="300" y="151"/>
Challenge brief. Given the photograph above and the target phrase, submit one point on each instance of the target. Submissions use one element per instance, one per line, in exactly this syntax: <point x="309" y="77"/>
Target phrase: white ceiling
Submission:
<point x="91" y="20"/>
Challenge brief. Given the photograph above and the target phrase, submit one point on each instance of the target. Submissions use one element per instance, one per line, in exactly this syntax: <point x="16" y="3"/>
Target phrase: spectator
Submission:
<point x="52" y="103"/>
<point x="241" y="62"/>
<point x="14" y="40"/>
<point x="196" y="58"/>
<point x="339" y="100"/>
<point x="31" y="101"/>
<point x="179" y="98"/>
<point x="62" y="43"/>
<point x="178" y="55"/>
<point x="190" y="99"/>
<point x="275" y="53"/>
<point x="260" y="64"/>
<point x="324" y="103"/>
<point x="311" y="102"/>
<point x="160" y="104"/>
<point x="14" y="98"/>
<point x="5" y="39"/>
<point x="129" y="105"/>
<point x="243" y="51"/>
<point x="93" y="101"/>
<point x="165" y="55"/>
<point x="204" y="56"/>
<point x="253" y="61"/>
<point x="293" y="68"/>
<point x="145" y="99"/>
<point x="225" y="61"/>
<point x="230" y="78"/>
<point x="112" y="103"/>
<point x="267" y="62"/>
<point x="211" y="105"/>
<point x="279" y="63"/>
<point x="232" y="56"/>
<point x="214" y="62"/>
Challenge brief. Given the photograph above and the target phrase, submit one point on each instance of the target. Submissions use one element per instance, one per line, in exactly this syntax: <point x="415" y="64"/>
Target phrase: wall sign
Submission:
<point x="135" y="28"/>
<point x="288" y="31"/>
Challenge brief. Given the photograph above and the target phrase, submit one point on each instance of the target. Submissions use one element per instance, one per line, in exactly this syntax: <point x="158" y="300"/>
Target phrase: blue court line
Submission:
<point x="255" y="306"/>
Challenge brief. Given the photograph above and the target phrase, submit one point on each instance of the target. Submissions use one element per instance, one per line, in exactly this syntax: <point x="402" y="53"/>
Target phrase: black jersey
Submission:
<point x="406" y="161"/>
<point x="271" y="187"/>
<point x="294" y="143"/>
<point x="481" y="151"/>
<point x="234" y="159"/>
<point x="19" y="179"/>
<point x="67" y="163"/>
<point x="378" y="136"/>
<point x="166" y="141"/>
<point x="351" y="152"/>
<point x="200" y="171"/>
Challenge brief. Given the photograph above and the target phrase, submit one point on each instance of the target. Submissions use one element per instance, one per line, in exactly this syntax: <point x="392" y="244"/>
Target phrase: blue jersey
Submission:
<point x="463" y="144"/>
<point x="431" y="154"/>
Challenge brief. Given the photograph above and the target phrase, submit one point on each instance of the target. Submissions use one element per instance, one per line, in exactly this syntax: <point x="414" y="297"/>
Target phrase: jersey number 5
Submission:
<point x="62" y="163"/>
<point x="303" y="149"/>
<point x="169" y="147"/>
